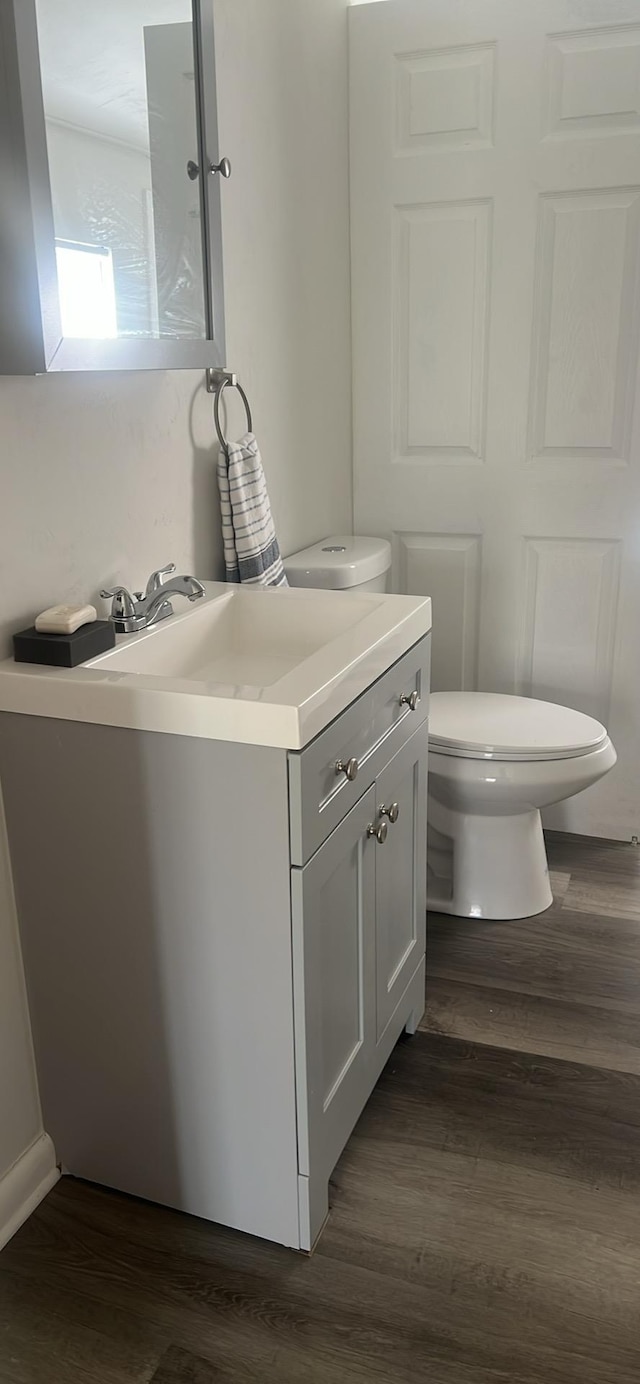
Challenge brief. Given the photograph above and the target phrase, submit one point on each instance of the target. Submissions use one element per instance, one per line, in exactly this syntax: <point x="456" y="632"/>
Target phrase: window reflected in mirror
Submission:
<point x="120" y="102"/>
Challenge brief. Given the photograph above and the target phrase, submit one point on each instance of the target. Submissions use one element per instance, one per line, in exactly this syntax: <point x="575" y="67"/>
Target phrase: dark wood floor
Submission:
<point x="565" y="984"/>
<point x="486" y="1213"/>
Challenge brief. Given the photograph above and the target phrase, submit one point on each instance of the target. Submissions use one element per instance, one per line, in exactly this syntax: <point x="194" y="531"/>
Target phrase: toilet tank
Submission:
<point x="342" y="563"/>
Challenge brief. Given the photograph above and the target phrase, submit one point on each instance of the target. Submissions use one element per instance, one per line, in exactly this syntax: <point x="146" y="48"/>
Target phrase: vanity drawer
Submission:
<point x="369" y="732"/>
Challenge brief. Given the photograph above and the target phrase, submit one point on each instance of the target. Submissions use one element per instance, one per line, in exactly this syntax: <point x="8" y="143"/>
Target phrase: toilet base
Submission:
<point x="496" y="867"/>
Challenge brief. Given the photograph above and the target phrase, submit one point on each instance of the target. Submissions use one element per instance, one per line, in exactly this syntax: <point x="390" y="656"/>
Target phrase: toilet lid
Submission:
<point x="502" y="727"/>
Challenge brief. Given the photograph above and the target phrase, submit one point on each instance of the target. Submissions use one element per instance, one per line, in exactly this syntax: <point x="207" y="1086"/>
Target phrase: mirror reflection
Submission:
<point x="120" y="101"/>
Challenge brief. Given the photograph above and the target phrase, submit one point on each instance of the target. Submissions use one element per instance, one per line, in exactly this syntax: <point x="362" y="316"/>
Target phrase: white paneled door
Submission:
<point x="496" y="271"/>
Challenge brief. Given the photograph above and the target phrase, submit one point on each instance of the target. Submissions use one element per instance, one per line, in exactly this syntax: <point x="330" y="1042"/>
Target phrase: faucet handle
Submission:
<point x="155" y="580"/>
<point x="123" y="605"/>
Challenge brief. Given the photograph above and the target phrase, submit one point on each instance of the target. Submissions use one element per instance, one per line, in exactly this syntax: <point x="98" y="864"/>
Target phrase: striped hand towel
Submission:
<point x="251" y="551"/>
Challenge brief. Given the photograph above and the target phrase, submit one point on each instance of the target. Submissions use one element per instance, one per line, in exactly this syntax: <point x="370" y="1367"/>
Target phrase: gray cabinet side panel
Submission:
<point x="152" y="883"/>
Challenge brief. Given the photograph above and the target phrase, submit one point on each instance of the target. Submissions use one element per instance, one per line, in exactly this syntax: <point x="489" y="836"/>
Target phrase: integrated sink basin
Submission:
<point x="240" y="644"/>
<point x="259" y="666"/>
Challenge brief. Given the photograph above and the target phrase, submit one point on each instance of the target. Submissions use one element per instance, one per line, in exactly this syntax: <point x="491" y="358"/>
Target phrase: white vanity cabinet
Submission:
<point x="220" y="952"/>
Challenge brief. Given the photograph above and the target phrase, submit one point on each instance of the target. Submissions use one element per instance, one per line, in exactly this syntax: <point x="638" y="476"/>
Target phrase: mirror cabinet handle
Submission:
<point x="223" y="168"/>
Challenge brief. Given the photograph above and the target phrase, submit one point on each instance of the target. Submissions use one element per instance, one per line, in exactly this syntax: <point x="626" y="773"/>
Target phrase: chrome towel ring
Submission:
<point x="229" y="383"/>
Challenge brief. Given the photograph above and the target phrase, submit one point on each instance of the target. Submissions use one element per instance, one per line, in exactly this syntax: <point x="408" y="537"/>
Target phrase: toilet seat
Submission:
<point x="494" y="726"/>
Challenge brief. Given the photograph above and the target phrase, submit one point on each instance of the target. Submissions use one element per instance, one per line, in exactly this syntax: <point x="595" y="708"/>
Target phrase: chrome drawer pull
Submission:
<point x="412" y="701"/>
<point x="379" y="831"/>
<point x="392" y="812"/>
<point x="349" y="769"/>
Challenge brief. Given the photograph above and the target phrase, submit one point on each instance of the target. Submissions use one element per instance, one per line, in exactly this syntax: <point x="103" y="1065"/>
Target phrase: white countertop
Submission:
<point x="253" y="665"/>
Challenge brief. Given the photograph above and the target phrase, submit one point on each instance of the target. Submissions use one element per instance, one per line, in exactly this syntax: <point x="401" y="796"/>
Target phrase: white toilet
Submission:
<point x="494" y="762"/>
<point x="342" y="564"/>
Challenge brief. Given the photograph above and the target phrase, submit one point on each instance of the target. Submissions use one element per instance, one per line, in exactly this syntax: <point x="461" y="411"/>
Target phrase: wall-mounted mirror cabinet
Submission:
<point x="110" y="229"/>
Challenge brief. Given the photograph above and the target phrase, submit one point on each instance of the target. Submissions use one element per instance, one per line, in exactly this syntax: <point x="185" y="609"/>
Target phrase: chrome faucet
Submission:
<point x="132" y="613"/>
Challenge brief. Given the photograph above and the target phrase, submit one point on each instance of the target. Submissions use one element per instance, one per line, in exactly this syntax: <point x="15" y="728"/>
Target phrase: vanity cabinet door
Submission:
<point x="401" y="875"/>
<point x="334" y="987"/>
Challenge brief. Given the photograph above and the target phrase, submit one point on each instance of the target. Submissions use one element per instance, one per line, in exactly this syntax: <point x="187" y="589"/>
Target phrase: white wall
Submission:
<point x="286" y="237"/>
<point x="104" y="477"/>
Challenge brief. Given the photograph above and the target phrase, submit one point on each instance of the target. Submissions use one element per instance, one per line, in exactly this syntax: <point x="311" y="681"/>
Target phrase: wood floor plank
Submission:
<point x="576" y="958"/>
<point x="245" y="1306"/>
<point x="531" y="1111"/>
<point x="322" y="1320"/>
<point x="39" y="1345"/>
<point x="568" y="852"/>
<point x="549" y="1247"/>
<point x="599" y="1035"/>
<point x="609" y="896"/>
<point x="592" y="934"/>
<point x="182" y="1367"/>
<point x="559" y="881"/>
<point x="43" y="1274"/>
<point x="309" y="1324"/>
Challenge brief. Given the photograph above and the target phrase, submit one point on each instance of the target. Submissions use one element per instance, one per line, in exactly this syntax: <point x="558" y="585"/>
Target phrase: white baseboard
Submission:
<point x="25" y="1185"/>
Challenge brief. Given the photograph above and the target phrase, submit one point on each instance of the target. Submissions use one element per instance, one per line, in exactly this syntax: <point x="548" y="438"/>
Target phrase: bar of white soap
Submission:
<point x="65" y="619"/>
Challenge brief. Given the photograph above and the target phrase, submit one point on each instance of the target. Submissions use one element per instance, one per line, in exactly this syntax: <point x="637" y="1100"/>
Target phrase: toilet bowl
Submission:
<point x="494" y="762"/>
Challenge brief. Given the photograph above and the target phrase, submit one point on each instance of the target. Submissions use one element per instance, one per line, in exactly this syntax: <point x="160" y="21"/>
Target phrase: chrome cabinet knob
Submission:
<point x="412" y="701"/>
<point x="379" y="830"/>
<point x="349" y="768"/>
<point x="392" y="812"/>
